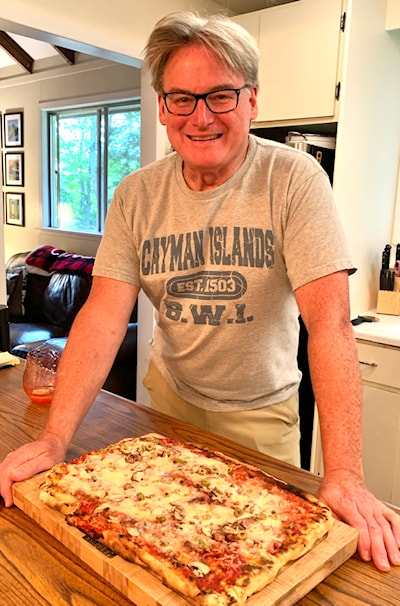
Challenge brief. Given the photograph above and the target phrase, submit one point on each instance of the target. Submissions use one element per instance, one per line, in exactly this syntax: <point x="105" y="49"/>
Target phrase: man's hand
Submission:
<point x="377" y="524"/>
<point x="27" y="461"/>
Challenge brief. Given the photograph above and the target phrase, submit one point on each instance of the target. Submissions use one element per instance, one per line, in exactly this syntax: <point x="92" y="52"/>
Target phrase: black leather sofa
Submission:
<point x="43" y="298"/>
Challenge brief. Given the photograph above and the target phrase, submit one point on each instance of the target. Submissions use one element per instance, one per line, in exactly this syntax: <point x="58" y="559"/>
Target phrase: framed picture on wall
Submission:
<point x="13" y="130"/>
<point x="14" y="168"/>
<point x="14" y="208"/>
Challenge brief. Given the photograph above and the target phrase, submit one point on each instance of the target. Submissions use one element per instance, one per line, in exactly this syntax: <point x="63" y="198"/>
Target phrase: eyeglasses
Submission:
<point x="218" y="101"/>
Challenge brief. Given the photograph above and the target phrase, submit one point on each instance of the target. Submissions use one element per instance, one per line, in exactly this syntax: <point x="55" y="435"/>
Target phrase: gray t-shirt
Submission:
<point x="220" y="267"/>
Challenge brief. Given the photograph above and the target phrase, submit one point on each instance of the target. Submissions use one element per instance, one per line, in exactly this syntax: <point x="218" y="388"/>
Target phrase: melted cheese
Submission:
<point x="184" y="502"/>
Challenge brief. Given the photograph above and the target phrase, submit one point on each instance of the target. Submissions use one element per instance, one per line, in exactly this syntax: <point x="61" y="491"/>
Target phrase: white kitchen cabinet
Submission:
<point x="299" y="59"/>
<point x="381" y="430"/>
<point x="380" y="365"/>
<point x="303" y="57"/>
<point x="380" y="371"/>
<point x="393" y="14"/>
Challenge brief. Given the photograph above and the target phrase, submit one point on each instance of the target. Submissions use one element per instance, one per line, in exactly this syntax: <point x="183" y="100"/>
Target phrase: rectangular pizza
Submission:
<point x="212" y="528"/>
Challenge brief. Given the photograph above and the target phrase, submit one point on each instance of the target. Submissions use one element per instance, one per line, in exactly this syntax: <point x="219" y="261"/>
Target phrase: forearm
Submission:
<point x="337" y="389"/>
<point x="90" y="351"/>
<point x="334" y="368"/>
<point x="82" y="370"/>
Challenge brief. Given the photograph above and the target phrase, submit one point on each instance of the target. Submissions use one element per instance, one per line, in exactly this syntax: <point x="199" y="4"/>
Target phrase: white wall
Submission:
<point x="25" y="93"/>
<point x="393" y="14"/>
<point x="369" y="142"/>
<point x="113" y="30"/>
<point x="3" y="294"/>
<point x="121" y="26"/>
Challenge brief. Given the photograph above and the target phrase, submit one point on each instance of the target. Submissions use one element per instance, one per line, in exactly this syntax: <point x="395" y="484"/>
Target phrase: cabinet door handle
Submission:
<point x="368" y="363"/>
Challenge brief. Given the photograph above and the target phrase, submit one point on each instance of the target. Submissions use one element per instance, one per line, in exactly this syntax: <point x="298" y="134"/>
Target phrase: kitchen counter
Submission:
<point x="386" y="331"/>
<point x="38" y="570"/>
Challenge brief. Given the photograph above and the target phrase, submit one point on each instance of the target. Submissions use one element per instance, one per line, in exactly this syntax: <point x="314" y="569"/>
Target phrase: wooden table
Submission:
<point x="36" y="569"/>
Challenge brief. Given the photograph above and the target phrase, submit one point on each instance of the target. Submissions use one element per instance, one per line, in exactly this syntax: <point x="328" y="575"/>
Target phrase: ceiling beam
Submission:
<point x="67" y="54"/>
<point x="17" y="53"/>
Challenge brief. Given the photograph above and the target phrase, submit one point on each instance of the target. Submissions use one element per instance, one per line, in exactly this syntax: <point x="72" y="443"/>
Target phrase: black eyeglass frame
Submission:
<point x="204" y="97"/>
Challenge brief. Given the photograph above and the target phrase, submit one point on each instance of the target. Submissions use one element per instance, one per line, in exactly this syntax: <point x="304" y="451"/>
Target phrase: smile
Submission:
<point x="205" y="138"/>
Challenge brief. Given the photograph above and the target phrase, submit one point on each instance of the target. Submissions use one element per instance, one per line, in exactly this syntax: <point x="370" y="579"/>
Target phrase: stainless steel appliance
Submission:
<point x="319" y="146"/>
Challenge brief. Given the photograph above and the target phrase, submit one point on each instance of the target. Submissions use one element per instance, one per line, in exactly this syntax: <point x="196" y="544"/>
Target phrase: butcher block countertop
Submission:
<point x="36" y="569"/>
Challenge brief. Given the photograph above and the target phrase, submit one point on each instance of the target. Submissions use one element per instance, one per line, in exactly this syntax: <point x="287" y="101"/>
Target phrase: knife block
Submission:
<point x="388" y="302"/>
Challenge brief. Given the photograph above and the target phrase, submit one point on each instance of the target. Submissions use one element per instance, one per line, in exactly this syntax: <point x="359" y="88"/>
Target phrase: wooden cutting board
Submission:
<point x="144" y="589"/>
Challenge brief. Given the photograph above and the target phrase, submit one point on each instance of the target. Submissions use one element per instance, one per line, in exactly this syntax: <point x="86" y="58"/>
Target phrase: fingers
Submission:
<point x="378" y="537"/>
<point x="377" y="550"/>
<point x="393" y="518"/>
<point x="5" y="488"/>
<point x="390" y="525"/>
<point x="377" y="524"/>
<point x="22" y="464"/>
<point x="7" y="478"/>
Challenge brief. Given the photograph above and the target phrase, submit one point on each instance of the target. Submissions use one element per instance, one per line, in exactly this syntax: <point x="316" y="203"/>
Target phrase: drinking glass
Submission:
<point x="40" y="374"/>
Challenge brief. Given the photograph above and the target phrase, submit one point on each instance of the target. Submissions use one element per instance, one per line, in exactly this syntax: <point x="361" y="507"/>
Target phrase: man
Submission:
<point x="230" y="237"/>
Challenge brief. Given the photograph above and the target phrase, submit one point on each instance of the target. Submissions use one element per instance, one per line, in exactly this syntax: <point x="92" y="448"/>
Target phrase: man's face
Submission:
<point x="208" y="143"/>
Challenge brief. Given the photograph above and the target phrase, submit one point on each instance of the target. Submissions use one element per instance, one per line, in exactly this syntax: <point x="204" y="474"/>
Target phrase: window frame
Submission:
<point x="47" y="108"/>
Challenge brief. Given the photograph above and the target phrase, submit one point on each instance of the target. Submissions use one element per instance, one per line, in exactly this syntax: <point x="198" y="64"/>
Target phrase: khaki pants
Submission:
<point x="273" y="430"/>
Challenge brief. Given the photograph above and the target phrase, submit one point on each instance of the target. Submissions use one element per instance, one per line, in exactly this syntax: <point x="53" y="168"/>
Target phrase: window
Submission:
<point x="89" y="150"/>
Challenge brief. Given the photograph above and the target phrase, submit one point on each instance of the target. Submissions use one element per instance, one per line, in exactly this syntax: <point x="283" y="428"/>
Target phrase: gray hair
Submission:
<point x="232" y="43"/>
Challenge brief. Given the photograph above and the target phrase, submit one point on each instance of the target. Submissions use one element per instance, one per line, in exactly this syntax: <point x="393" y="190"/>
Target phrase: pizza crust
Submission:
<point x="196" y="474"/>
<point x="66" y="504"/>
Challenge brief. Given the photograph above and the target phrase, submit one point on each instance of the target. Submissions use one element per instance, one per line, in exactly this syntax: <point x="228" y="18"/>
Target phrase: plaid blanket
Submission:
<point x="73" y="264"/>
<point x="49" y="259"/>
<point x="43" y="257"/>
